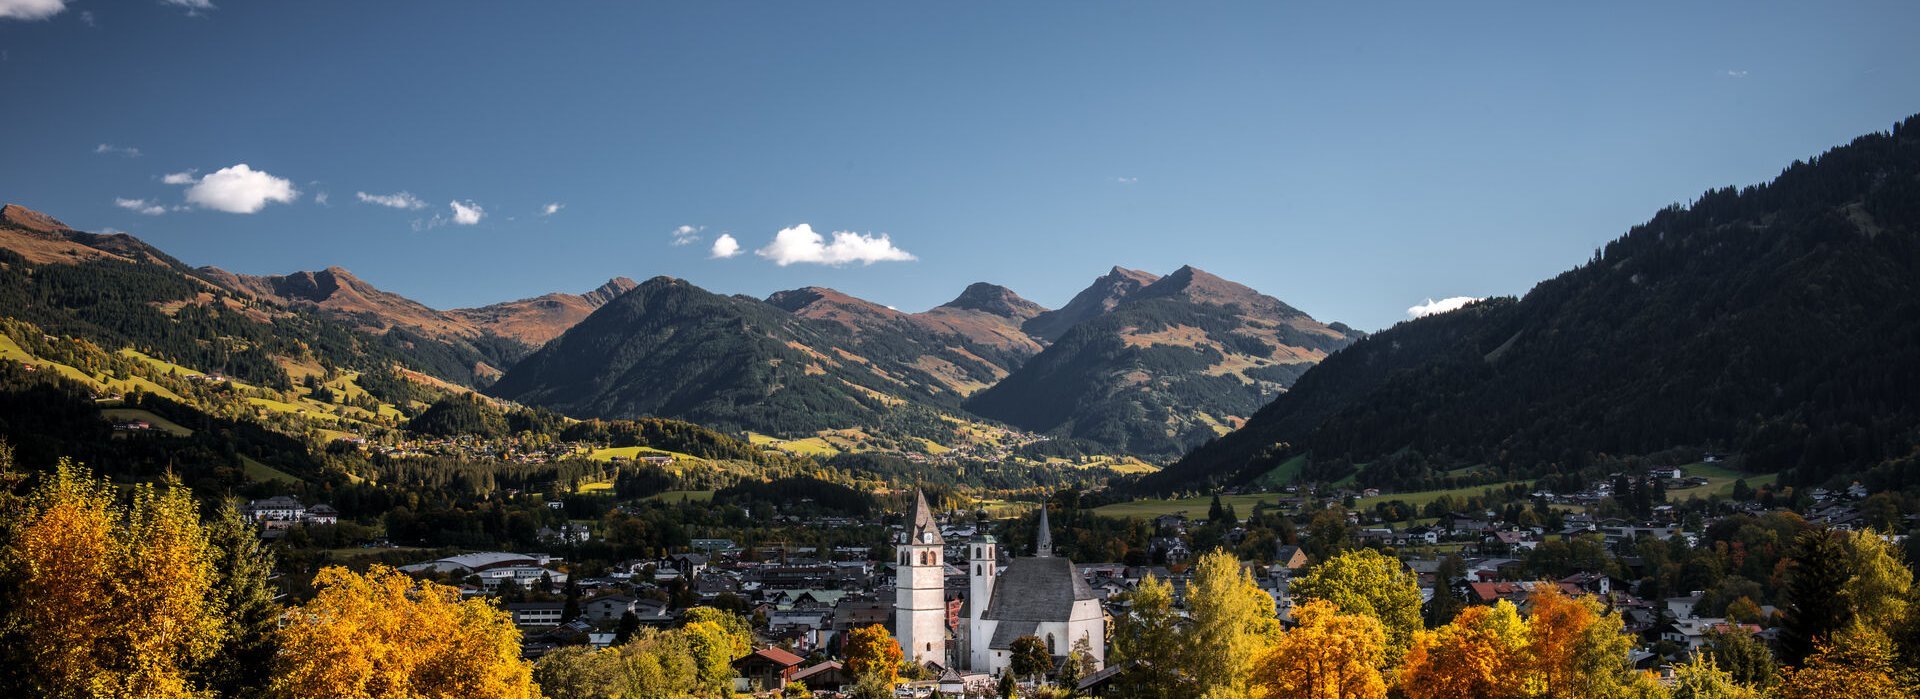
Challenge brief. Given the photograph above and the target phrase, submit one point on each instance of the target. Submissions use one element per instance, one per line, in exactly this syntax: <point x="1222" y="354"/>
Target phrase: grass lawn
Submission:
<point x="632" y="452"/>
<point x="1192" y="507"/>
<point x="257" y="471"/>
<point x="1286" y="472"/>
<point x="1421" y="498"/>
<point x="159" y="423"/>
<point x="681" y="496"/>
<point x="1720" y="481"/>
<point x="601" y="487"/>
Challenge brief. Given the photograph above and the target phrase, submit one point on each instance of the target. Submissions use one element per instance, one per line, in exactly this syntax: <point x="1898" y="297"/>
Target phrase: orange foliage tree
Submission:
<point x="871" y="650"/>
<point x="384" y="634"/>
<point x="1482" y="654"/>
<point x="1329" y="655"/>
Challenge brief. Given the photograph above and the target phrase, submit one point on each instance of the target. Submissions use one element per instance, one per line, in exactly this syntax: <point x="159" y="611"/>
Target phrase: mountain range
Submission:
<point x="1135" y="363"/>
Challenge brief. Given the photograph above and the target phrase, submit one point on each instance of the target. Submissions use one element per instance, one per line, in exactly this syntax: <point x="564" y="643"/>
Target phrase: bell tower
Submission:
<point x="984" y="553"/>
<point x="920" y="588"/>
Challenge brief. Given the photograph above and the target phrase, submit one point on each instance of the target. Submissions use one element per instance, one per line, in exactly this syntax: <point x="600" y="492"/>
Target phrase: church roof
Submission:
<point x="1037" y="589"/>
<point x="922" y="522"/>
<point x="1007" y="632"/>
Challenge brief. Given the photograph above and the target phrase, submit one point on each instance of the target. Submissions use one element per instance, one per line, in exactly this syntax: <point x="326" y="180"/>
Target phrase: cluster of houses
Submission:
<point x="276" y="514"/>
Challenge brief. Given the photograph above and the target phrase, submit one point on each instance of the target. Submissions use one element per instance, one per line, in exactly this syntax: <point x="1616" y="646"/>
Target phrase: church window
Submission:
<point x="976" y="569"/>
<point x="1050" y="650"/>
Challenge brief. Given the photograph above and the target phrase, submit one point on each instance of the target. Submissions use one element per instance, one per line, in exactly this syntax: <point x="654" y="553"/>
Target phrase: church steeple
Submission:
<point x="922" y="529"/>
<point x="1043" y="539"/>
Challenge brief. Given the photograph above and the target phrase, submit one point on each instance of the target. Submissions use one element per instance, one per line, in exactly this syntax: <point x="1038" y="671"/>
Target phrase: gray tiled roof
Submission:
<point x="1037" y="589"/>
<point x="1008" y="631"/>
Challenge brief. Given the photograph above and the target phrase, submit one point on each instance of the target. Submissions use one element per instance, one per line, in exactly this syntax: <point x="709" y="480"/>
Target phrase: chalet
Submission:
<point x="767" y="669"/>
<point x="322" y="514"/>
<point x="1290" y="557"/>
<point x="828" y="675"/>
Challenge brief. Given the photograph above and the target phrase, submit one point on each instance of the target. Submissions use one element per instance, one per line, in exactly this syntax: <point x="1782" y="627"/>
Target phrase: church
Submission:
<point x="1041" y="596"/>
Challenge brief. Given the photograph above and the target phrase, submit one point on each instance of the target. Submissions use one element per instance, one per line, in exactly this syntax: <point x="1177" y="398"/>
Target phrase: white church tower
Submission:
<point x="920" y="602"/>
<point x="984" y="551"/>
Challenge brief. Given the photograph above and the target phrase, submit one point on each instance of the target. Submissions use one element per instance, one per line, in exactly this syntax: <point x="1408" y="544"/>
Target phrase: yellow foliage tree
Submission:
<point x="1482" y="654"/>
<point x="383" y="634"/>
<point x="115" y="597"/>
<point x="1858" y="664"/>
<point x="1329" y="655"/>
<point x="1233" y="625"/>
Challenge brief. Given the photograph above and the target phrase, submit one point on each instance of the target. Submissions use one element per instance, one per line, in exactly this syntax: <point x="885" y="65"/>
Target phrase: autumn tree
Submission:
<point x="872" y="652"/>
<point x="1857" y="663"/>
<point x="717" y="638"/>
<point x="578" y="672"/>
<point x="1233" y="624"/>
<point x="1365" y="582"/>
<point x="116" y="598"/>
<point x="1481" y="654"/>
<point x="1328" y="655"/>
<point x="1147" y="634"/>
<point x="383" y="634"/>
<point x="1879" y="584"/>
<point x="1577" y="650"/>
<point x="1701" y="678"/>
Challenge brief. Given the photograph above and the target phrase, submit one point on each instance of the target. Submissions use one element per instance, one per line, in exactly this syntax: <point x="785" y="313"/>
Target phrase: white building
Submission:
<point x="1042" y="596"/>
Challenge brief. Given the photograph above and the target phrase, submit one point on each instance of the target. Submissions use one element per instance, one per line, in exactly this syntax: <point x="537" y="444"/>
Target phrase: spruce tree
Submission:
<point x="1815" y="608"/>
<point x="245" y="596"/>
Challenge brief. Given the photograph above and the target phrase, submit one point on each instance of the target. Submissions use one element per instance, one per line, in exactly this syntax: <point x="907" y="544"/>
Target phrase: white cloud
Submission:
<point x="467" y="213"/>
<point x="321" y="198"/>
<point x="396" y="200"/>
<point x="1736" y="73"/>
<point x="552" y="209"/>
<point x="31" y="9"/>
<point x="800" y="244"/>
<point x="180" y="177"/>
<point x="86" y="17"/>
<point x="686" y="235"/>
<point x="725" y="246"/>
<point x="110" y="149"/>
<point x="149" y="208"/>
<point x="1126" y="180"/>
<point x="236" y="190"/>
<point x="1432" y="307"/>
<point x="110" y="230"/>
<point x="193" y="7"/>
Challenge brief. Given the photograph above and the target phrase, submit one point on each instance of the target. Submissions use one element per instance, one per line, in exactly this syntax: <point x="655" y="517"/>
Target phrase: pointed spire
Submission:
<point x="1043" y="539"/>
<point x="923" y="523"/>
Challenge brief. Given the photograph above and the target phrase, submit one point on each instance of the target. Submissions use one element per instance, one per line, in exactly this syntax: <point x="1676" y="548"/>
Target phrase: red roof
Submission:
<point x="774" y="655"/>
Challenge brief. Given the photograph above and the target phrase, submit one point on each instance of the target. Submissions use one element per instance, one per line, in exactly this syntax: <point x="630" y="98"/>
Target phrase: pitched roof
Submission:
<point x="775" y="655"/>
<point x="1037" y="589"/>
<point x="922" y="522"/>
<point x="1008" y="631"/>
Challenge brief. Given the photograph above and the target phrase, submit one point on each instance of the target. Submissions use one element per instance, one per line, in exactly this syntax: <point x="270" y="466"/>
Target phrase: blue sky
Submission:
<point x="1349" y="160"/>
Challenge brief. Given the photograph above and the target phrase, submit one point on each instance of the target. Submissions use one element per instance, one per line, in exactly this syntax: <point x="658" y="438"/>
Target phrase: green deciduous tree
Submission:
<point x="1366" y="582"/>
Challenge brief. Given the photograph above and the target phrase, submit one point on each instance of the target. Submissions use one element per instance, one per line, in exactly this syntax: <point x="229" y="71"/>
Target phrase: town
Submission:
<point x="956" y="596"/>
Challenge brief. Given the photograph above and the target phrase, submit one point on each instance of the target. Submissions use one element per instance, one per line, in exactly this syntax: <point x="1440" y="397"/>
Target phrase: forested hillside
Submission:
<point x="1779" y="322"/>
